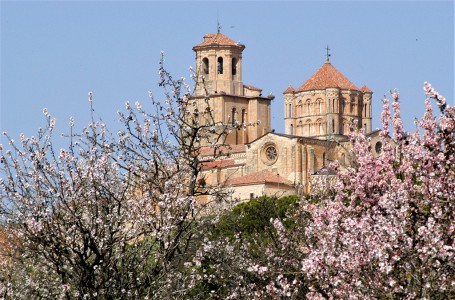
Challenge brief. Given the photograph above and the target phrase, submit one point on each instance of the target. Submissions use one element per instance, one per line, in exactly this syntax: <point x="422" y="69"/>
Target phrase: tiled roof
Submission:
<point x="365" y="89"/>
<point x="218" y="164"/>
<point x="258" y="177"/>
<point x="253" y="88"/>
<point x="326" y="77"/>
<point x="290" y="89"/>
<point x="223" y="150"/>
<point x="218" y="39"/>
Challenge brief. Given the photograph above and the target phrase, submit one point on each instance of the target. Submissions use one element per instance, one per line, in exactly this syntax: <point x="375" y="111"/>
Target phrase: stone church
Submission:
<point x="318" y="116"/>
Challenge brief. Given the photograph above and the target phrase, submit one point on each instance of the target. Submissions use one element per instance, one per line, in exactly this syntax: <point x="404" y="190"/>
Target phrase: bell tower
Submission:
<point x="219" y="87"/>
<point x="219" y="65"/>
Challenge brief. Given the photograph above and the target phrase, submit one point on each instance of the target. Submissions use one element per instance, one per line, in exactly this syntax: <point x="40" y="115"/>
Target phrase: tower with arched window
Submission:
<point x="318" y="116"/>
<point x="219" y="65"/>
<point x="232" y="103"/>
<point x="328" y="105"/>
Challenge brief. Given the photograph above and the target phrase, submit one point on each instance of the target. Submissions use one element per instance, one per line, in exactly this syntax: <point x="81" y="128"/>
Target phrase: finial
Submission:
<point x="218" y="26"/>
<point x="327" y="54"/>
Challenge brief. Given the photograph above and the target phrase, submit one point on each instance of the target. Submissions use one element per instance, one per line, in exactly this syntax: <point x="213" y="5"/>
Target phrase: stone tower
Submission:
<point x="219" y="81"/>
<point x="326" y="105"/>
<point x="219" y="61"/>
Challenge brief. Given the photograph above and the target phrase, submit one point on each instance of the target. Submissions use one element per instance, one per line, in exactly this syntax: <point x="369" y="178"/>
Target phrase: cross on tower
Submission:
<point x="218" y="26"/>
<point x="327" y="53"/>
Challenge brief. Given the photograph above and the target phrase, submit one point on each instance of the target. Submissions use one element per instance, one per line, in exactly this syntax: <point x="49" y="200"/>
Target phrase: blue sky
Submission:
<point x="54" y="53"/>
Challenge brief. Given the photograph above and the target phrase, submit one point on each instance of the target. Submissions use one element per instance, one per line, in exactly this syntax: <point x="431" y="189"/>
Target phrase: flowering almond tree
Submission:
<point x="110" y="216"/>
<point x="389" y="231"/>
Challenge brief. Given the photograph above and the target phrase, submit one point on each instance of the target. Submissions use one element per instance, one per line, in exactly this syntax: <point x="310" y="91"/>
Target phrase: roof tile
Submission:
<point x="222" y="150"/>
<point x="289" y="90"/>
<point x="326" y="77"/>
<point x="253" y="88"/>
<point x="218" y="164"/>
<point x="365" y="89"/>
<point x="218" y="39"/>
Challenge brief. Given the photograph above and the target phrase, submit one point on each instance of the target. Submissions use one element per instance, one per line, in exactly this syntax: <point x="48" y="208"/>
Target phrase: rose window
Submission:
<point x="271" y="153"/>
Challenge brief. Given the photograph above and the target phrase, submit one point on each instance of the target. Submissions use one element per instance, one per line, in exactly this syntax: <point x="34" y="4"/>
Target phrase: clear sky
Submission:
<point x="54" y="53"/>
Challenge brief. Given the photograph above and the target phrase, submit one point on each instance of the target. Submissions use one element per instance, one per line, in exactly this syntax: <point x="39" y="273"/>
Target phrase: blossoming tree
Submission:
<point x="112" y="215"/>
<point x="389" y="231"/>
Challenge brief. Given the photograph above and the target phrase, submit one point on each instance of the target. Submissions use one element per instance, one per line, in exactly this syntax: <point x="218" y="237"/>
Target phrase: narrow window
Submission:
<point x="292" y="129"/>
<point x="290" y="110"/>
<point x="220" y="65"/>
<point x="323" y="159"/>
<point x="205" y="65"/>
<point x="320" y="107"/>
<point x="333" y="126"/>
<point x="202" y="182"/>
<point x="243" y="116"/>
<point x="320" y="128"/>
<point x="234" y="66"/>
<point x="234" y="111"/>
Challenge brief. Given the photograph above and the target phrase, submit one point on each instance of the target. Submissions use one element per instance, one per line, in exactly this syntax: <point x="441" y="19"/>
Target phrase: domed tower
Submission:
<point x="219" y="85"/>
<point x="326" y="105"/>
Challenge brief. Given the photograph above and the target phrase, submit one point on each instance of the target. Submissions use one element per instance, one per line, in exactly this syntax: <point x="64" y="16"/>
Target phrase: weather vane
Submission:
<point x="327" y="53"/>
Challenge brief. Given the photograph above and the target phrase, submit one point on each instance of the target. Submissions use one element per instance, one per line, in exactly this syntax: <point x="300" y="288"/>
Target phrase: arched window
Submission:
<point x="205" y="65"/>
<point x="308" y="105"/>
<point x="292" y="129"/>
<point x="378" y="147"/>
<point x="202" y="182"/>
<point x="365" y="110"/>
<point x="243" y="116"/>
<point x="234" y="66"/>
<point x="289" y="110"/>
<point x="320" y="107"/>
<point x="220" y="65"/>
<point x="320" y="128"/>
<point x="234" y="111"/>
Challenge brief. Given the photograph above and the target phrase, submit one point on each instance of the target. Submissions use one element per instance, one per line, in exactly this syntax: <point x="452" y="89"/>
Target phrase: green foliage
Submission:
<point x="249" y="229"/>
<point x="253" y="217"/>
